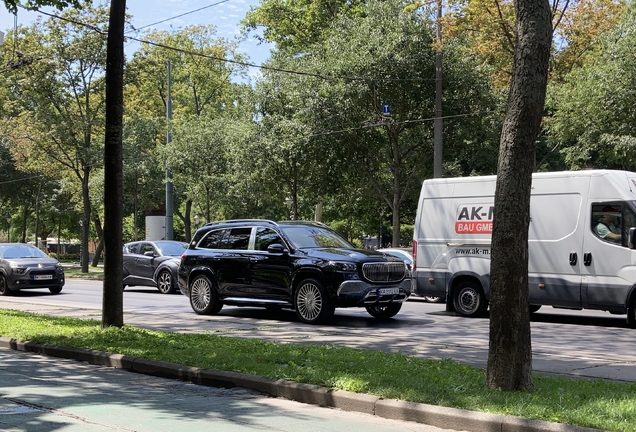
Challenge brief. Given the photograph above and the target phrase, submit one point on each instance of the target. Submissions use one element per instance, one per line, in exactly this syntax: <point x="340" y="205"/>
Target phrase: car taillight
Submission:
<point x="414" y="253"/>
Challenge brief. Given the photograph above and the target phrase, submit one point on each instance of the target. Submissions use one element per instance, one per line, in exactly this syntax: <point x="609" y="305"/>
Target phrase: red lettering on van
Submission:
<point x="473" y="227"/>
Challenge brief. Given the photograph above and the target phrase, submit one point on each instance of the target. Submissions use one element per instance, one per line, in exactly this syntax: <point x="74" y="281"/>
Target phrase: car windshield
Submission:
<point x="314" y="237"/>
<point x="172" y="248"/>
<point x="19" y="251"/>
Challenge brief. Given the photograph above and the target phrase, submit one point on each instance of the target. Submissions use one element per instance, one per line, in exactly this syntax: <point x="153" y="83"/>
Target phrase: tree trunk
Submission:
<point x="113" y="293"/>
<point x="510" y="351"/>
<point x="100" y="241"/>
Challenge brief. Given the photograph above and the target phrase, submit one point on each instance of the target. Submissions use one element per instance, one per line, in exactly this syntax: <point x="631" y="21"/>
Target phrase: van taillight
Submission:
<point x="414" y="253"/>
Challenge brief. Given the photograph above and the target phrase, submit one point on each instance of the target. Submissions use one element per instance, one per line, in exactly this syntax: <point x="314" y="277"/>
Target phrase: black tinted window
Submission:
<point x="131" y="248"/>
<point x="212" y="239"/>
<point x="266" y="237"/>
<point x="146" y="247"/>
<point x="238" y="239"/>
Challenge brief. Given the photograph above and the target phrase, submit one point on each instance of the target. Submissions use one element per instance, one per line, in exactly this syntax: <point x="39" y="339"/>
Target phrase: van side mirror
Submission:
<point x="631" y="239"/>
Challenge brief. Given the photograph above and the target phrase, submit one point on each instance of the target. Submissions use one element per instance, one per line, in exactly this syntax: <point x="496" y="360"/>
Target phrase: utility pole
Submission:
<point x="169" y="192"/>
<point x="437" y="135"/>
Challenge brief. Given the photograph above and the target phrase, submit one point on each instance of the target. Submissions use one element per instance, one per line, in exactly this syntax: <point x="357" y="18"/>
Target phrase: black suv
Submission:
<point x="298" y="265"/>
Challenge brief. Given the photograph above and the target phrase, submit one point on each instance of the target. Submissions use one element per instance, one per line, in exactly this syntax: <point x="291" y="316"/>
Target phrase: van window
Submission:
<point x="611" y="222"/>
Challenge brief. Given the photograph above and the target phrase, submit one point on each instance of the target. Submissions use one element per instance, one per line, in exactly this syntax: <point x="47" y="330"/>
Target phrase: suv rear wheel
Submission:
<point x="312" y="303"/>
<point x="203" y="297"/>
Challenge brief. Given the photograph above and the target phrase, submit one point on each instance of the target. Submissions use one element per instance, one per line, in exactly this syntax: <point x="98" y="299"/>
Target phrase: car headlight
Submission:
<point x="343" y="266"/>
<point x="18" y="269"/>
<point x="59" y="268"/>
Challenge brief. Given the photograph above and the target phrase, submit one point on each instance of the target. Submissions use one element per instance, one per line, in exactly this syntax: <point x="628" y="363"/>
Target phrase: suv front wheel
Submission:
<point x="203" y="297"/>
<point x="312" y="303"/>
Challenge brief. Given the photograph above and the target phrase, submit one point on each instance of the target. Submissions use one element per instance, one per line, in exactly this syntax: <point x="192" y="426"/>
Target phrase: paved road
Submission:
<point x="39" y="394"/>
<point x="573" y="343"/>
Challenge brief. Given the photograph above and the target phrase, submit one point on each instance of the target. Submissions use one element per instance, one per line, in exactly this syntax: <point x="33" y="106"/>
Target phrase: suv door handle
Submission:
<point x="587" y="258"/>
<point x="573" y="258"/>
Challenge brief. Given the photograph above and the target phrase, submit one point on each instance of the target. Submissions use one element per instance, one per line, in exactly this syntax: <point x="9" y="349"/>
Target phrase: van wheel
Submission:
<point x="55" y="290"/>
<point x="469" y="300"/>
<point x="631" y="314"/>
<point x="203" y="296"/>
<point x="312" y="303"/>
<point x="384" y="312"/>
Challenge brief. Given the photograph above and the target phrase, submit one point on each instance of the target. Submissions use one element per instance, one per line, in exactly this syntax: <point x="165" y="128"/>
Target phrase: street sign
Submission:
<point x="386" y="109"/>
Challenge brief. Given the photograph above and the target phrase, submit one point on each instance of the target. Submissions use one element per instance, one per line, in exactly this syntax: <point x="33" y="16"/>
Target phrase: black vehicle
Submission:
<point x="23" y="266"/>
<point x="298" y="265"/>
<point x="153" y="263"/>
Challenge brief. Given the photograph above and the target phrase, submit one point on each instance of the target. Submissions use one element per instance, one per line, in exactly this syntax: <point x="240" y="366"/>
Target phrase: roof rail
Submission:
<point x="240" y="221"/>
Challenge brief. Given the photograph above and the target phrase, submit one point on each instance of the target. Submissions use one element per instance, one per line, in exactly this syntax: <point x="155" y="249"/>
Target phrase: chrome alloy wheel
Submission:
<point x="200" y="294"/>
<point x="309" y="301"/>
<point x="164" y="282"/>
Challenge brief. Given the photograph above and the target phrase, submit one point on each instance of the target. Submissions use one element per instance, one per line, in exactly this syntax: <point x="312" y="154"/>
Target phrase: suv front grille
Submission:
<point x="384" y="272"/>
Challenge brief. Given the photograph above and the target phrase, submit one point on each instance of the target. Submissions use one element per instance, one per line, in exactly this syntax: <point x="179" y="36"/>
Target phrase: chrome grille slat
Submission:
<point x="384" y="271"/>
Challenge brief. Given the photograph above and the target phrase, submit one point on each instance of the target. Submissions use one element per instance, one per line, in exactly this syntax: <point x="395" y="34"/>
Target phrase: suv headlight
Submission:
<point x="18" y="269"/>
<point x="343" y="266"/>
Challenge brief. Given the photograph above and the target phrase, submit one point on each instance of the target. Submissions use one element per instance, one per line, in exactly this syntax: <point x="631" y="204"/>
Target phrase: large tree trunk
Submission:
<point x="113" y="301"/>
<point x="510" y="351"/>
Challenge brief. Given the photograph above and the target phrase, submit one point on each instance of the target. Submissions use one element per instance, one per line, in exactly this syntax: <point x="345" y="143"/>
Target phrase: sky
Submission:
<point x="224" y="14"/>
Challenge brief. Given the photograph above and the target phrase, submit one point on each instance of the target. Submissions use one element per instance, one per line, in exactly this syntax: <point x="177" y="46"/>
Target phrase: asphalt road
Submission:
<point x="571" y="343"/>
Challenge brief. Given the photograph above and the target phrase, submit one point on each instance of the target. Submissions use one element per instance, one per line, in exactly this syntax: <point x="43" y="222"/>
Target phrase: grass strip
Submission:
<point x="594" y="403"/>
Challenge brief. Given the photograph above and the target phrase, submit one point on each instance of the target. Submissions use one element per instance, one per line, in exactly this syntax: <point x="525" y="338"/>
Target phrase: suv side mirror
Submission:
<point x="277" y="248"/>
<point x="149" y="253"/>
<point x="631" y="238"/>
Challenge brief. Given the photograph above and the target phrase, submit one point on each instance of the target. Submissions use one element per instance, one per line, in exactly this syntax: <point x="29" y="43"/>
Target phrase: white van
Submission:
<point x="580" y="242"/>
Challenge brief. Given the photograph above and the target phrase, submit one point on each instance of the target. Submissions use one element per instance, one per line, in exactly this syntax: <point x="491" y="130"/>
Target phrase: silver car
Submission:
<point x="24" y="266"/>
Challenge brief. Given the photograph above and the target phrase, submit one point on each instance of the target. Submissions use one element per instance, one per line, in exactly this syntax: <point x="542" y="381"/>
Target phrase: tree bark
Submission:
<point x="510" y="350"/>
<point x="112" y="306"/>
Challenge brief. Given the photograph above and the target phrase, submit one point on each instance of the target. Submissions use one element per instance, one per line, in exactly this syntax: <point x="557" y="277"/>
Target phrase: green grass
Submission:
<point x="75" y="271"/>
<point x="596" y="403"/>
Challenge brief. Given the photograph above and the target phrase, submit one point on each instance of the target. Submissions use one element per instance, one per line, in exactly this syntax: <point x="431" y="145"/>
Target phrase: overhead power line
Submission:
<point x="237" y="62"/>
<point x="179" y="16"/>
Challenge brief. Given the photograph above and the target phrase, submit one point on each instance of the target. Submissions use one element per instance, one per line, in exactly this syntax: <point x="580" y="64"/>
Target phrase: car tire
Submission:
<point x="469" y="300"/>
<point x="4" y="289"/>
<point x="631" y="314"/>
<point x="432" y="299"/>
<point x="312" y="303"/>
<point x="534" y="308"/>
<point x="203" y="296"/>
<point x="384" y="311"/>
<point x="55" y="290"/>
<point x="165" y="282"/>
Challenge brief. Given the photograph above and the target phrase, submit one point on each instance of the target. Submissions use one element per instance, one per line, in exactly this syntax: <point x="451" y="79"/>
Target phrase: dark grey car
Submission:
<point x="153" y="263"/>
<point x="24" y="266"/>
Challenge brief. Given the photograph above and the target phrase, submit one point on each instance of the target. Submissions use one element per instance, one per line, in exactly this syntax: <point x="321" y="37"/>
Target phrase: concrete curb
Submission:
<point x="442" y="417"/>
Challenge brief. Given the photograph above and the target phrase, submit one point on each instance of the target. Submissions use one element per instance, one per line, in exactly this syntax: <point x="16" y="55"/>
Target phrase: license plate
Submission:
<point x="42" y="277"/>
<point x="388" y="291"/>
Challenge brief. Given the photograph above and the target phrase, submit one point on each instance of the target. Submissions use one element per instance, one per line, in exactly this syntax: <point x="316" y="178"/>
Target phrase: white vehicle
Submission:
<point x="581" y="242"/>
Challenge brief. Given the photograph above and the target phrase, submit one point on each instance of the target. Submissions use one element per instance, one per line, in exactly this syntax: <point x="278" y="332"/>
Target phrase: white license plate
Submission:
<point x="42" y="277"/>
<point x="388" y="291"/>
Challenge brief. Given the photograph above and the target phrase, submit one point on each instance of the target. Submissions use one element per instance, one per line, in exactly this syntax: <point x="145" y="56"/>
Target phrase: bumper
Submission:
<point x="359" y="293"/>
<point x="20" y="282"/>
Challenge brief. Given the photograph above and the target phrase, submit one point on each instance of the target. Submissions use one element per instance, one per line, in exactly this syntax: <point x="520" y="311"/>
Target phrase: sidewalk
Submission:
<point x="441" y="417"/>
